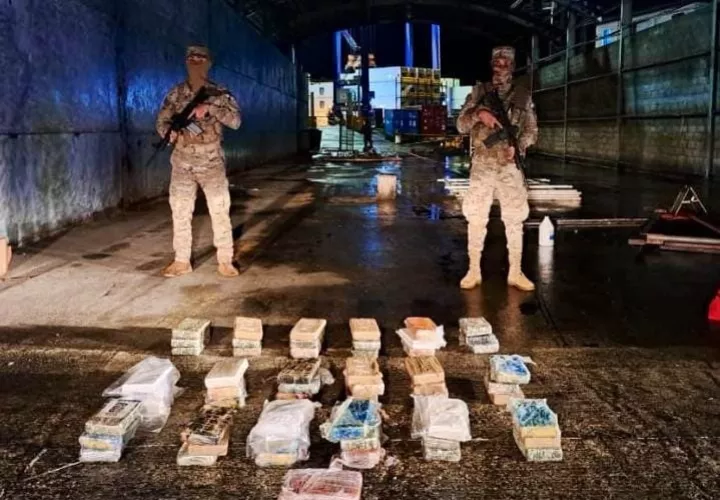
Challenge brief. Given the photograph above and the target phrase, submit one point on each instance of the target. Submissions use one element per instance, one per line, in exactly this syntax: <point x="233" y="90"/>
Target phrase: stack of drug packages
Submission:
<point x="536" y="430"/>
<point x="206" y="437"/>
<point x="152" y="382"/>
<point x="281" y="436"/>
<point x="427" y="376"/>
<point x="190" y="337"/>
<point x="366" y="337"/>
<point x="442" y="424"/>
<point x="108" y="431"/>
<point x="302" y="379"/>
<point x="321" y="484"/>
<point x="306" y="338"/>
<point x="477" y="334"/>
<point x="421" y="337"/>
<point x="247" y="337"/>
<point x="507" y="374"/>
<point x="357" y="426"/>
<point x="225" y="383"/>
<point x="363" y="378"/>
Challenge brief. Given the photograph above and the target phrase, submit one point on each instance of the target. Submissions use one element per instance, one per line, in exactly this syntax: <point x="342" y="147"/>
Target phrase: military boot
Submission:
<point x="472" y="279"/>
<point x="177" y="268"/>
<point x="227" y="270"/>
<point x="517" y="279"/>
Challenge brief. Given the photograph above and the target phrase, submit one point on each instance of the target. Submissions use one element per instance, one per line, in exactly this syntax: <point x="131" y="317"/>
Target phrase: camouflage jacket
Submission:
<point x="222" y="110"/>
<point x="521" y="113"/>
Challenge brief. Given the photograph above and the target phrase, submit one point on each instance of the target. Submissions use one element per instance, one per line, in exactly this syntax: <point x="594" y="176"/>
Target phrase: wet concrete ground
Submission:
<point x="623" y="351"/>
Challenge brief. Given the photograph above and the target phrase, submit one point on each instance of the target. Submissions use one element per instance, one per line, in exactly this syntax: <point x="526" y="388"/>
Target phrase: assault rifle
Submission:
<point x="508" y="132"/>
<point x="182" y="120"/>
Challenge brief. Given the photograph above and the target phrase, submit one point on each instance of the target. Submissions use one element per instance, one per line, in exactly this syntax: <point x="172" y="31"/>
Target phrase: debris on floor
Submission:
<point x="321" y="484"/>
<point x="152" y="382"/>
<point x="356" y="424"/>
<point x="366" y="337"/>
<point x="540" y="191"/>
<point x="421" y="337"/>
<point x="536" y="430"/>
<point x="281" y="436"/>
<point x="247" y="337"/>
<point x="477" y="334"/>
<point x="306" y="338"/>
<point x="190" y="337"/>
<point x="108" y="431"/>
<point x="225" y="383"/>
<point x="354" y="156"/>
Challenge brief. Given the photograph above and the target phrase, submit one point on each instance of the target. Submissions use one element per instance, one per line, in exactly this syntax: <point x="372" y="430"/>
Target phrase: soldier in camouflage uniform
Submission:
<point x="198" y="160"/>
<point x="494" y="173"/>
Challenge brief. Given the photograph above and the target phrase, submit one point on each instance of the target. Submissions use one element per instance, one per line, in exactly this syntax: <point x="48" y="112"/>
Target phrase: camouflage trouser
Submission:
<point x="207" y="171"/>
<point x="489" y="180"/>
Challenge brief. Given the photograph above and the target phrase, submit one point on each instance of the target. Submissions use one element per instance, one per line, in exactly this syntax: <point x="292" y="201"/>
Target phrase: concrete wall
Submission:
<point x="81" y="84"/>
<point x="664" y="127"/>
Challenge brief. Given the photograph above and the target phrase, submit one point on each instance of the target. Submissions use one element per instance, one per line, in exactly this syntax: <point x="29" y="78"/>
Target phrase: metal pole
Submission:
<point x="534" y="56"/>
<point x="409" y="60"/>
<point x="365" y="85"/>
<point x="569" y="37"/>
<point x="625" y="23"/>
<point x="712" y="105"/>
<point x="435" y="45"/>
<point x="338" y="55"/>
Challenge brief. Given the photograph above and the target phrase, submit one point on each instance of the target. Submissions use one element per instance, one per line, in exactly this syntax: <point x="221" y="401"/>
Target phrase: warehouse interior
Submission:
<point x="347" y="178"/>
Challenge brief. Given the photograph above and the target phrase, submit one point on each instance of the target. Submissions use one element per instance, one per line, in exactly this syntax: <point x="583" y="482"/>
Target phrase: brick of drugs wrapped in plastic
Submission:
<point x="254" y="352"/>
<point x="246" y="344"/>
<point x="471" y="327"/>
<point x="538" y="454"/>
<point x="192" y="328"/>
<point x="371" y="443"/>
<point x="362" y="371"/>
<point x="321" y="484"/>
<point x="441" y="449"/>
<point x="441" y="417"/>
<point x="322" y="377"/>
<point x="364" y="329"/>
<point x="424" y="370"/>
<point x="115" y="418"/>
<point x="248" y="329"/>
<point x="226" y="373"/>
<point x="184" y="458"/>
<point x="308" y="329"/>
<point x="509" y="369"/>
<point x="302" y="371"/>
<point x="439" y="389"/>
<point x="483" y="344"/>
<point x="421" y="328"/>
<point x="282" y="429"/>
<point x="209" y="426"/>
<point x="436" y="342"/>
<point x="352" y="419"/>
<point x="227" y="396"/>
<point x="362" y="459"/>
<point x="534" y="418"/>
<point x="151" y="381"/>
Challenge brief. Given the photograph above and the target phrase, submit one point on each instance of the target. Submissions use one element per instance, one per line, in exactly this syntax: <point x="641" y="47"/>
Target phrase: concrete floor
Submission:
<point x="623" y="351"/>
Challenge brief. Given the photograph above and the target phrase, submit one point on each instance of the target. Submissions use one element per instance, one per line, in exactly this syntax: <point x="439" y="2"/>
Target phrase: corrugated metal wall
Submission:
<point x="81" y="84"/>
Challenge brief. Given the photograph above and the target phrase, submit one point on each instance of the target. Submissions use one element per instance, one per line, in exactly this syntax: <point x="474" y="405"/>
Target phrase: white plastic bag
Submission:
<point x="151" y="381"/>
<point x="441" y="417"/>
<point x="283" y="428"/>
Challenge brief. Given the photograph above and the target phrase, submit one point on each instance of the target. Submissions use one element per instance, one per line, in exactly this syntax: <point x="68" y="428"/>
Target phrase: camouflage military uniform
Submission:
<point x="199" y="160"/>
<point x="494" y="176"/>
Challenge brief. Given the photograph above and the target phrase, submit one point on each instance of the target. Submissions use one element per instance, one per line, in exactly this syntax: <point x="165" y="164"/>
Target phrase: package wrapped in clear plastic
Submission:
<point x="115" y="418"/>
<point x="322" y="377"/>
<point x="352" y="419"/>
<point x="184" y="458"/>
<point x="370" y="443"/>
<point x="227" y="396"/>
<point x="362" y="459"/>
<point x="151" y="381"/>
<point x="509" y="369"/>
<point x="108" y="442"/>
<point x="365" y="330"/>
<point x="192" y="329"/>
<point x="246" y="344"/>
<point x="438" y="389"/>
<point x="534" y="418"/>
<point x="483" y="344"/>
<point x="441" y="449"/>
<point x="247" y="353"/>
<point x="367" y="345"/>
<point x="321" y="484"/>
<point x="226" y="373"/>
<point x="437" y="342"/>
<point x="473" y="327"/>
<point x="89" y="456"/>
<point x="248" y="329"/>
<point x="302" y="371"/>
<point x="552" y="454"/>
<point x="366" y="354"/>
<point x="283" y="428"/>
<point x="441" y="417"/>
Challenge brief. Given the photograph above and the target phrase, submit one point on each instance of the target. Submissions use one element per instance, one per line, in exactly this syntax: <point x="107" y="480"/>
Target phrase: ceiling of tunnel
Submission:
<point x="296" y="20"/>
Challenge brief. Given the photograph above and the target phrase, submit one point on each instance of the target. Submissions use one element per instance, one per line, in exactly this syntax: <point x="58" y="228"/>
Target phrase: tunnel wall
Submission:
<point x="664" y="127"/>
<point x="81" y="86"/>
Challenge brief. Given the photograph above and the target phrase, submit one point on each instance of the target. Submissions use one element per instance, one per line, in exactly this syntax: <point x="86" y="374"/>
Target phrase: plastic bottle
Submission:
<point x="546" y="234"/>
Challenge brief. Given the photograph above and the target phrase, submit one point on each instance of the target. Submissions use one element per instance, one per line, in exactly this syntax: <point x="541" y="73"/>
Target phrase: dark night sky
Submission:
<point x="463" y="56"/>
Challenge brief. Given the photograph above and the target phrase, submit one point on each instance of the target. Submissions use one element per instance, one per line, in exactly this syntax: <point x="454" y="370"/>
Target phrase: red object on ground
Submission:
<point x="714" y="310"/>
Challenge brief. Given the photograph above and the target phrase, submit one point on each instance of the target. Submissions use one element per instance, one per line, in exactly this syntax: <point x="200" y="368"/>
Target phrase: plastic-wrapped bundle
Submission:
<point x="227" y="396"/>
<point x="306" y="338"/>
<point x="422" y="347"/>
<point x="366" y="337"/>
<point x="108" y="432"/>
<point x="509" y="369"/>
<point x="536" y="430"/>
<point x="151" y="381"/>
<point x="440" y="417"/>
<point x="283" y="430"/>
<point x="306" y="390"/>
<point x="472" y="327"/>
<point x="362" y="459"/>
<point x="441" y="449"/>
<point x="353" y="419"/>
<point x="482" y="344"/>
<point x="321" y="484"/>
<point x="190" y="337"/>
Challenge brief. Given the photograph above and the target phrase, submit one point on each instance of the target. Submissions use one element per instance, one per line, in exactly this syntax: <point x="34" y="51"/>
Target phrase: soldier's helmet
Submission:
<point x="198" y="50"/>
<point x="504" y="51"/>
